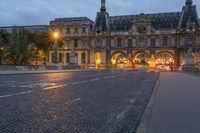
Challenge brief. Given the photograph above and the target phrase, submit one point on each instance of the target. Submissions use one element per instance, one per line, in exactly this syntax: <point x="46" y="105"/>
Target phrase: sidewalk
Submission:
<point x="2" y="73"/>
<point x="176" y="105"/>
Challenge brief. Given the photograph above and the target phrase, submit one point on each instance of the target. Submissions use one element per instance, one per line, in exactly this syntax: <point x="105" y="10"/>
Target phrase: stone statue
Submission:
<point x="189" y="64"/>
<point x="189" y="58"/>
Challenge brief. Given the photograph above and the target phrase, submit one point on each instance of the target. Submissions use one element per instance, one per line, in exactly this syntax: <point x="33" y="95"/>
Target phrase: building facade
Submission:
<point x="36" y="29"/>
<point x="129" y="40"/>
<point x="112" y="41"/>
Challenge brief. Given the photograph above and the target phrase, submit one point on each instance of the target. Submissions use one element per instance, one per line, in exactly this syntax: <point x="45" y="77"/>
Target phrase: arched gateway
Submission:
<point x="118" y="59"/>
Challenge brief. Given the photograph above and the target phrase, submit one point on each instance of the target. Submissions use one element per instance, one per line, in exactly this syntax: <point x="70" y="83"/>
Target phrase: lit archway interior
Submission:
<point x="97" y="60"/>
<point x="165" y="58"/>
<point x="118" y="60"/>
<point x="141" y="58"/>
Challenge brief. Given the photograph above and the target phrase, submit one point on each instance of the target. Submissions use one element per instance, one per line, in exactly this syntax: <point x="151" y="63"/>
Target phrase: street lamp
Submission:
<point x="55" y="48"/>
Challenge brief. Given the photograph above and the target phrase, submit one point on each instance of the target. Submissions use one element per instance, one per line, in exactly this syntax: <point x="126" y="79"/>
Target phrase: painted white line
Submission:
<point x="78" y="99"/>
<point x="92" y="80"/>
<point x="54" y="87"/>
<point x="38" y="84"/>
<point x="16" y="94"/>
<point x="75" y="83"/>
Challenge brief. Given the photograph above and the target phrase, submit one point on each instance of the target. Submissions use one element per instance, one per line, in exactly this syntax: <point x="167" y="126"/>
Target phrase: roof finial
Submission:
<point x="188" y="2"/>
<point x="103" y="5"/>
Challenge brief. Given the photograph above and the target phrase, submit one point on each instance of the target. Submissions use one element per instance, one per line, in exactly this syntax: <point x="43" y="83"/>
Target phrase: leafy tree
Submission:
<point x="20" y="41"/>
<point x="4" y="40"/>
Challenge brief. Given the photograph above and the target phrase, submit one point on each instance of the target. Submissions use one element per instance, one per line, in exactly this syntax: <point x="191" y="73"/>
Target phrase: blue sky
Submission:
<point x="30" y="12"/>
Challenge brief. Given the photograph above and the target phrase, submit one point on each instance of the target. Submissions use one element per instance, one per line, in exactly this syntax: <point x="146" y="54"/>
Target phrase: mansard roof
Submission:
<point x="83" y="20"/>
<point x="158" y="20"/>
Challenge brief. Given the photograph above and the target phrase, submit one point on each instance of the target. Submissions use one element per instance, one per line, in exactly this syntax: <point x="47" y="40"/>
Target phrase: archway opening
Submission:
<point x="98" y="60"/>
<point x="141" y="60"/>
<point x="165" y="60"/>
<point x="118" y="60"/>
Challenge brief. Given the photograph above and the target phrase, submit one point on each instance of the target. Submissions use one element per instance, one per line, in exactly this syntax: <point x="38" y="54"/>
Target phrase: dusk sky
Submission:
<point x="30" y="12"/>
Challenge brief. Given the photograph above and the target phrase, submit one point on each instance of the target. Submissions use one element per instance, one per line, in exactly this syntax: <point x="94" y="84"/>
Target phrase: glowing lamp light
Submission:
<point x="56" y="35"/>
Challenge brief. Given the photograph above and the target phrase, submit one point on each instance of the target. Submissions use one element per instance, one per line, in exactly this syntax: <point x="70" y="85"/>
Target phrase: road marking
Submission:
<point x="54" y="87"/>
<point x="78" y="99"/>
<point x="38" y="84"/>
<point x="92" y="80"/>
<point x="75" y="83"/>
<point x="16" y="94"/>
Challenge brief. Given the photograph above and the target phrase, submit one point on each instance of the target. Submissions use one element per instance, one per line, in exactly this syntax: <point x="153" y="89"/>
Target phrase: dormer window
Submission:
<point x="142" y="29"/>
<point x="98" y="31"/>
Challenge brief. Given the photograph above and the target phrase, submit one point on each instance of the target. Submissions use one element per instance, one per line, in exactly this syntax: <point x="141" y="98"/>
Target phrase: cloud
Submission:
<point x="27" y="12"/>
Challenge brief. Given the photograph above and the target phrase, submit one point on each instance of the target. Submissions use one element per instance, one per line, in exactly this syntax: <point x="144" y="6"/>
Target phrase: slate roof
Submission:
<point x="72" y="20"/>
<point x="158" y="20"/>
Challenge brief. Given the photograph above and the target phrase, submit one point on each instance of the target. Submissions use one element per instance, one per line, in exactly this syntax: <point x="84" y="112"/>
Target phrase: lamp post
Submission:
<point x="55" y="48"/>
<point x="1" y="55"/>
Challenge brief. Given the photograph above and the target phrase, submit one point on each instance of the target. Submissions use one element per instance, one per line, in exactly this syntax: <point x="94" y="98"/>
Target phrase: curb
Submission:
<point x="143" y="126"/>
<point x="42" y="72"/>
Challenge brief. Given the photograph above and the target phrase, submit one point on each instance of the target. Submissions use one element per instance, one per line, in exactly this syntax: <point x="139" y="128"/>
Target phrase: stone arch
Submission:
<point x="117" y="58"/>
<point x="141" y="57"/>
<point x="165" y="58"/>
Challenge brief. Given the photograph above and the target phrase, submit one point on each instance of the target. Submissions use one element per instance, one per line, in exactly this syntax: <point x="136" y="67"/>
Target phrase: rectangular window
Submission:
<point x="189" y="41"/>
<point x="165" y="41"/>
<point x="98" y="43"/>
<point x="153" y="42"/>
<point x="130" y="42"/>
<point x="83" y="58"/>
<point x="83" y="29"/>
<point x="119" y="42"/>
<point x="75" y="30"/>
<point x="67" y="57"/>
<point x="141" y="42"/>
<point x="75" y="43"/>
<point x="60" y="57"/>
<point x="68" y="30"/>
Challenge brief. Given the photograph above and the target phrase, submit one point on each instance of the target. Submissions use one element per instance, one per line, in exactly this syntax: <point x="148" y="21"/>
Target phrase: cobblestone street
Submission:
<point x="74" y="102"/>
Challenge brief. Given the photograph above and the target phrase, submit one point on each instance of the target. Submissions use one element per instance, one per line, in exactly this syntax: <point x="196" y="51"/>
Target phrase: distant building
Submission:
<point x="37" y="29"/>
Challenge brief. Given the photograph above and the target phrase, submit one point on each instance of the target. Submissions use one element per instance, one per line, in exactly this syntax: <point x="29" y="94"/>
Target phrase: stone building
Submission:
<point x="113" y="41"/>
<point x="37" y="29"/>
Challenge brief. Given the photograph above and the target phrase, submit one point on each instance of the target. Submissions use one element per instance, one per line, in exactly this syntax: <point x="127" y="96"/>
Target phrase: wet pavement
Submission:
<point x="74" y="102"/>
